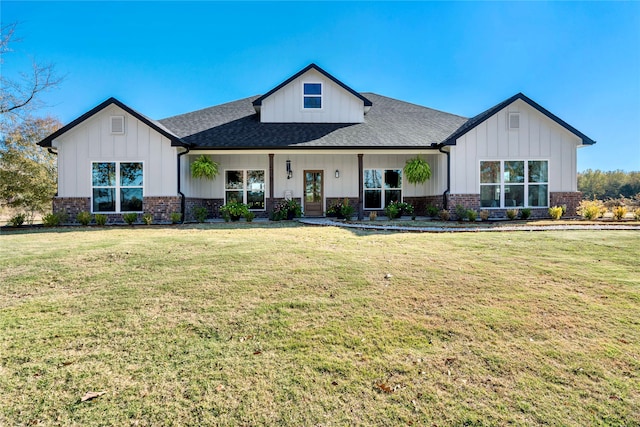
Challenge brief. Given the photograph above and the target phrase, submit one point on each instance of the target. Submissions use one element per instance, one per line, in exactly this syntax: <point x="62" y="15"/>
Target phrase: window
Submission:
<point x="381" y="187"/>
<point x="116" y="186"/>
<point x="312" y="95"/>
<point x="245" y="186"/>
<point x="514" y="183"/>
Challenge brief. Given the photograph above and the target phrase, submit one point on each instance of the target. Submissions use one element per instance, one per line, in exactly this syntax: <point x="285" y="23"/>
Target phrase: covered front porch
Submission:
<point x="368" y="179"/>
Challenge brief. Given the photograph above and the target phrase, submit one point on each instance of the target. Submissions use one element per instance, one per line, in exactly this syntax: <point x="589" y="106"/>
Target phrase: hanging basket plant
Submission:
<point x="204" y="167"/>
<point x="417" y="170"/>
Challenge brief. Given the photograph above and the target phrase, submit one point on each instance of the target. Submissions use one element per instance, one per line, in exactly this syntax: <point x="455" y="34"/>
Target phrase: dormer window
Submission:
<point x="312" y="95"/>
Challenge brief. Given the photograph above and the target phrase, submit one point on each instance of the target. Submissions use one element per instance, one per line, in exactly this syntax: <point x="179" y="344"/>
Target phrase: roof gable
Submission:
<point x="258" y="102"/>
<point x="477" y="120"/>
<point x="157" y="126"/>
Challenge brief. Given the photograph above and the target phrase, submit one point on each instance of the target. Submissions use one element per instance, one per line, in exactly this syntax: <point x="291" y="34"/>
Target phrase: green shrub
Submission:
<point x="461" y="212"/>
<point x="101" y="219"/>
<point x="53" y="219"/>
<point x="619" y="212"/>
<point x="234" y="210"/>
<point x="200" y="213"/>
<point x="432" y="211"/>
<point x="176" y="217"/>
<point x="472" y="215"/>
<point x="84" y="217"/>
<point x="289" y="209"/>
<point x="249" y="216"/>
<point x="484" y="214"/>
<point x="525" y="213"/>
<point x="392" y="210"/>
<point x="636" y="214"/>
<point x="556" y="212"/>
<point x="512" y="214"/>
<point x="130" y="217"/>
<point x="591" y="209"/>
<point x="17" y="220"/>
<point x="444" y="215"/>
<point x="347" y="211"/>
<point x="147" y="219"/>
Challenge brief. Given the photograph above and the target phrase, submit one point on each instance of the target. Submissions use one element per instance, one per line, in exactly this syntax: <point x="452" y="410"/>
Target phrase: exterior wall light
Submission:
<point x="337" y="173"/>
<point x="289" y="170"/>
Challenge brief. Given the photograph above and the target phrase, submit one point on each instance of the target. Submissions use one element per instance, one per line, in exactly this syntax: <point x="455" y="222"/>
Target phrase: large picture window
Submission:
<point x="116" y="186"/>
<point x="514" y="183"/>
<point x="245" y="186"/>
<point x="381" y="187"/>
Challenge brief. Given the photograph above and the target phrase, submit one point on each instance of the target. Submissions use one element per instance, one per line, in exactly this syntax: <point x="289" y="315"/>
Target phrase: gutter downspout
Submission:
<point x="182" y="198"/>
<point x="446" y="192"/>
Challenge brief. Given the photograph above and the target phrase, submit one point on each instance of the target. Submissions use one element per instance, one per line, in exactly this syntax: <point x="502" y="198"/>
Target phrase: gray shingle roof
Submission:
<point x="389" y="124"/>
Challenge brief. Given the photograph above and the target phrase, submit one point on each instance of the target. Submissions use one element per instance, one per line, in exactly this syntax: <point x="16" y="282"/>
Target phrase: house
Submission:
<point x="316" y="140"/>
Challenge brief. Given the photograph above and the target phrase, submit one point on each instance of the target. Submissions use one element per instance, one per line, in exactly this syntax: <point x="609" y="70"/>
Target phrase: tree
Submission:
<point x="20" y="96"/>
<point x="28" y="172"/>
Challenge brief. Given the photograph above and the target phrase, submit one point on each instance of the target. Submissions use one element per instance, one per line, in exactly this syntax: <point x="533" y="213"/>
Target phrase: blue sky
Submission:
<point x="579" y="60"/>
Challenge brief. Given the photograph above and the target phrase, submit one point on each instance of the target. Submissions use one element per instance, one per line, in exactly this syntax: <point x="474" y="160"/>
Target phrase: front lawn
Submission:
<point x="281" y="324"/>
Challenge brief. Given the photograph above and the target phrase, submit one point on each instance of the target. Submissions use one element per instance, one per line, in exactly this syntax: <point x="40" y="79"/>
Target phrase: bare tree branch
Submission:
<point x="18" y="96"/>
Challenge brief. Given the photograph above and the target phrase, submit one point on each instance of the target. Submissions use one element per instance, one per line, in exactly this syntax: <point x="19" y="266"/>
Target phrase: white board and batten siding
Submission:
<point x="537" y="138"/>
<point x="92" y="141"/>
<point x="286" y="104"/>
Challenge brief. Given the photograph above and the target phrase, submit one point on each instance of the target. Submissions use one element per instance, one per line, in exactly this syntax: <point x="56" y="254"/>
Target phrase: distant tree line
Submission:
<point x="605" y="185"/>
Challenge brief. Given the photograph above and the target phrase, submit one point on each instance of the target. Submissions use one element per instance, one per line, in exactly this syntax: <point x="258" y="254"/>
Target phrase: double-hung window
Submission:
<point x="514" y="183"/>
<point x="245" y="186"/>
<point x="312" y="95"/>
<point x="116" y="186"/>
<point x="381" y="187"/>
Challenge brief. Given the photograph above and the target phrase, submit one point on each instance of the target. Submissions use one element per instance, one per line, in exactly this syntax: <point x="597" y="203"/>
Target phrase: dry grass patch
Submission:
<point x="289" y="325"/>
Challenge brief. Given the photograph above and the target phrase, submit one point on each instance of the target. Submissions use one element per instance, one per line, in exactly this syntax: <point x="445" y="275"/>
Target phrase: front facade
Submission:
<point x="315" y="140"/>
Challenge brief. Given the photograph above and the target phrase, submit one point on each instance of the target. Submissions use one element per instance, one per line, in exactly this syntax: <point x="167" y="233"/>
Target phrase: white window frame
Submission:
<point x="245" y="190"/>
<point x="117" y="187"/>
<point x="321" y="96"/>
<point x="502" y="183"/>
<point x="382" y="189"/>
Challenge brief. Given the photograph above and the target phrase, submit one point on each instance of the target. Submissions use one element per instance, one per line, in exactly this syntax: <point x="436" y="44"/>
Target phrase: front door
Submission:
<point x="313" y="193"/>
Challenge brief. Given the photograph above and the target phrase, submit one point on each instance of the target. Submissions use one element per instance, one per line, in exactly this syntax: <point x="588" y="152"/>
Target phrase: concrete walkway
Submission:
<point x="328" y="222"/>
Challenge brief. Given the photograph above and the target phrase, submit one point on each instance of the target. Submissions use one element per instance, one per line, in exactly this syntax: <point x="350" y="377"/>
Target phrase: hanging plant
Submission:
<point x="417" y="170"/>
<point x="204" y="167"/>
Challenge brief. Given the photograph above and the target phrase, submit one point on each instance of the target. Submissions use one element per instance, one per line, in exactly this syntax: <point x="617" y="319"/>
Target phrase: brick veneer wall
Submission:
<point x="469" y="201"/>
<point x="161" y="207"/>
<point x="569" y="198"/>
<point x="72" y="206"/>
<point x="212" y="205"/>
<point x="420" y="203"/>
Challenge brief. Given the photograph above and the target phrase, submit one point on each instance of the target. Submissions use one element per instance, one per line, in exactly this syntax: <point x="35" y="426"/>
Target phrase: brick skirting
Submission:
<point x="212" y="205"/>
<point x="569" y="198"/>
<point x="161" y="207"/>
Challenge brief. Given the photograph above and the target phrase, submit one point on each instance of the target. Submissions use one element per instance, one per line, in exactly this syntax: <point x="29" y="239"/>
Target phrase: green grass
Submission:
<point x="278" y="324"/>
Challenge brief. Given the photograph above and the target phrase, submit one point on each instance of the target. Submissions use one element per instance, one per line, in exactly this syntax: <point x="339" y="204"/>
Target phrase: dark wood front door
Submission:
<point x="313" y="193"/>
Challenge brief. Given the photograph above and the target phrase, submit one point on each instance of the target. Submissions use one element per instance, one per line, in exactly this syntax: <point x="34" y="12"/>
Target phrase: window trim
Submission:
<point x="320" y="96"/>
<point x="526" y="184"/>
<point x="382" y="189"/>
<point x="244" y="186"/>
<point x="117" y="187"/>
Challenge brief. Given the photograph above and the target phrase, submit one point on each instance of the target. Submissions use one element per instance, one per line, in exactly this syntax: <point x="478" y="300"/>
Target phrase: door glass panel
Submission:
<point x="313" y="187"/>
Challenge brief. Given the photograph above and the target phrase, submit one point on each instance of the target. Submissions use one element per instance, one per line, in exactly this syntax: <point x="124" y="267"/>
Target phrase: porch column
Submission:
<point x="270" y="193"/>
<point x="360" y="187"/>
